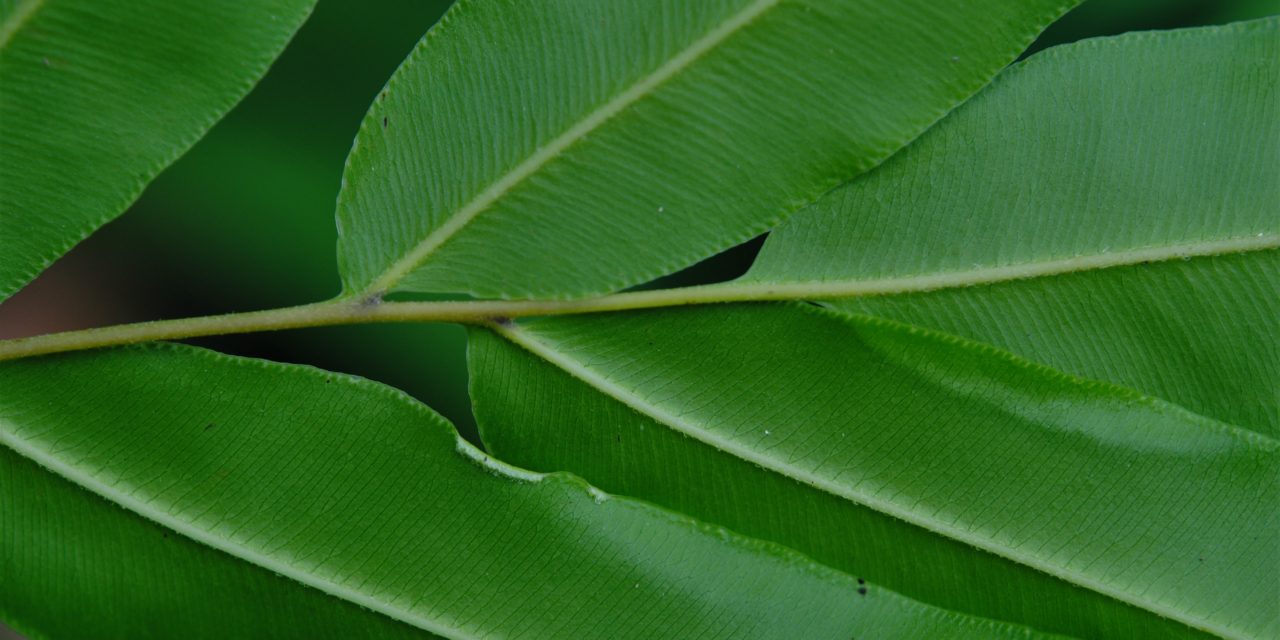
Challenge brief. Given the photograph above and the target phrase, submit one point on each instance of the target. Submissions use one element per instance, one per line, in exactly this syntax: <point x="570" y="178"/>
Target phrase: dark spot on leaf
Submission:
<point x="502" y="321"/>
<point x="209" y="426"/>
<point x="861" y="581"/>
<point x="862" y="591"/>
<point x="384" y="122"/>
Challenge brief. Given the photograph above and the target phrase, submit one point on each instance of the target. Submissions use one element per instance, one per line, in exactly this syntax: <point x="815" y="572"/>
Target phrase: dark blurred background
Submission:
<point x="245" y="220"/>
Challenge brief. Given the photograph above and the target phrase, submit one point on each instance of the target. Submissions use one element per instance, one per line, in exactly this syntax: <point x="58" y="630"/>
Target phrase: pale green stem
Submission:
<point x="348" y="311"/>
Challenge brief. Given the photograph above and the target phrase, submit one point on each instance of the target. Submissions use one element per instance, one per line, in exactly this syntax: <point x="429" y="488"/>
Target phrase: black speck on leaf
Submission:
<point x="861" y="581"/>
<point x="384" y="122"/>
<point x="862" y="591"/>
<point x="209" y="426"/>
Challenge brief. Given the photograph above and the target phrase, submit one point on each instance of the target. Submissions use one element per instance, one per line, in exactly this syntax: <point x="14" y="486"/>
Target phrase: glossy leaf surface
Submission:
<point x="217" y="497"/>
<point x="1079" y="178"/>
<point x="570" y="147"/>
<point x="948" y="441"/>
<point x="97" y="97"/>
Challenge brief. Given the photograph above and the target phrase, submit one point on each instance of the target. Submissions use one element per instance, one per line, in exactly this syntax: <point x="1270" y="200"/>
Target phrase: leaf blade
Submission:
<point x="1093" y="158"/>
<point x="353" y="490"/>
<point x="1209" y="348"/>
<point x="844" y="405"/>
<point x="90" y="115"/>
<point x="669" y="130"/>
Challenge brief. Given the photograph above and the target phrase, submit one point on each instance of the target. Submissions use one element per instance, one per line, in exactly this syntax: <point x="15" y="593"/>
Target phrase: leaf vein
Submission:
<point x="468" y="212"/>
<point x="930" y="522"/>
<point x="148" y="511"/>
<point x="15" y="21"/>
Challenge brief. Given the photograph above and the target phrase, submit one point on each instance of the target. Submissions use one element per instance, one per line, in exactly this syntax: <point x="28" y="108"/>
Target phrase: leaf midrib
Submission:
<point x="87" y="482"/>
<point x="482" y="312"/>
<point x="601" y="383"/>
<point x="938" y="280"/>
<point x="583" y="127"/>
<point x="20" y="16"/>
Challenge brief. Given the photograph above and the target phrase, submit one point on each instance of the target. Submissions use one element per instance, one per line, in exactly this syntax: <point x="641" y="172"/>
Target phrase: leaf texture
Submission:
<point x="1048" y="215"/>
<point x="172" y="492"/>
<point x="96" y="98"/>
<point x="936" y="444"/>
<point x="1200" y="332"/>
<point x="570" y="147"/>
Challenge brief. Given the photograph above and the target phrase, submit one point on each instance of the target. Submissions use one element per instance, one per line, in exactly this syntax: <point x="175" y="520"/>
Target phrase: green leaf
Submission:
<point x="894" y="451"/>
<point x="564" y="148"/>
<point x="947" y="470"/>
<point x="100" y="96"/>
<point x="171" y="492"/>
<point x="1073" y="182"/>
<point x="1201" y="332"/>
